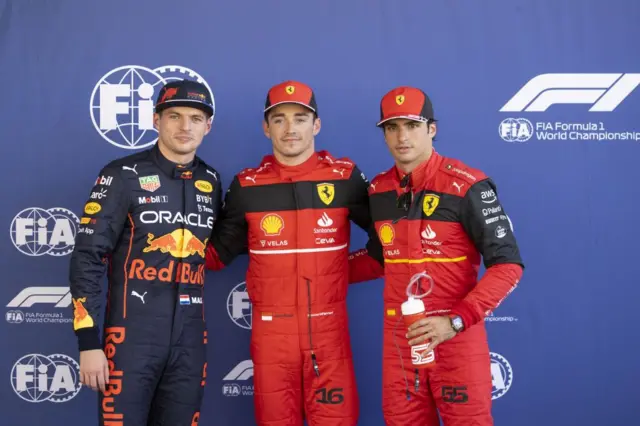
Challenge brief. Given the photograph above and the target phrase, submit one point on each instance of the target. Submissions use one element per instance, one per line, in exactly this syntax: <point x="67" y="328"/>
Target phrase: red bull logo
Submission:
<point x="110" y="414"/>
<point x="185" y="273"/>
<point x="180" y="243"/>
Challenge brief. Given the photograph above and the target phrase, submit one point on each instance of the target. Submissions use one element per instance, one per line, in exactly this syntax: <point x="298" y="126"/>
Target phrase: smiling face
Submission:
<point x="410" y="142"/>
<point x="291" y="128"/>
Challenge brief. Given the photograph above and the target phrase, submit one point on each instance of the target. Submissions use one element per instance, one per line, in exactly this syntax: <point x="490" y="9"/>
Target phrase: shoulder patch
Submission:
<point x="255" y="176"/>
<point x="343" y="162"/>
<point x="332" y="168"/>
<point x="382" y="182"/>
<point x="458" y="169"/>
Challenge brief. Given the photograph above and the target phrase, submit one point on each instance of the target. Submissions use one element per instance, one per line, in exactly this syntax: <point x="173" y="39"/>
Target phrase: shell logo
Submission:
<point x="272" y="224"/>
<point x="386" y="234"/>
<point x="92" y="208"/>
<point x="203" y="186"/>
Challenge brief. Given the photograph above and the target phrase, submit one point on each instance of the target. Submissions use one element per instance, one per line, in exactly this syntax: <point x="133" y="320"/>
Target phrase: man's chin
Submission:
<point x="292" y="153"/>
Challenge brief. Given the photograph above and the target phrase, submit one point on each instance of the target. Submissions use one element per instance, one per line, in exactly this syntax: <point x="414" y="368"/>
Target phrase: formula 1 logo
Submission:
<point x="501" y="375"/>
<point x="234" y="380"/>
<point x="242" y="371"/>
<point x="60" y="297"/>
<point x="122" y="102"/>
<point x="38" y="378"/>
<point x="603" y="91"/>
<point x="36" y="231"/>
<point x="239" y="306"/>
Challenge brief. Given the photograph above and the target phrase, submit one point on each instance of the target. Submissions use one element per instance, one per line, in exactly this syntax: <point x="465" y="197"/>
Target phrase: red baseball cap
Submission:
<point x="291" y="92"/>
<point x="405" y="102"/>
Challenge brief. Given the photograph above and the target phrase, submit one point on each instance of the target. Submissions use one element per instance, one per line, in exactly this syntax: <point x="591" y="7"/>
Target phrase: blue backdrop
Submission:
<point x="537" y="93"/>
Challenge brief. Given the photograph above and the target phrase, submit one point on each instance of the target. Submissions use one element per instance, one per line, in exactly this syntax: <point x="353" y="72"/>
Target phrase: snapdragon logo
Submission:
<point x="122" y="102"/>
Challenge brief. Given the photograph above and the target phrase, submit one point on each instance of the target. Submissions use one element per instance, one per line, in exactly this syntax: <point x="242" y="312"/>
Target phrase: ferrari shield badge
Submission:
<point x="429" y="203"/>
<point x="326" y="191"/>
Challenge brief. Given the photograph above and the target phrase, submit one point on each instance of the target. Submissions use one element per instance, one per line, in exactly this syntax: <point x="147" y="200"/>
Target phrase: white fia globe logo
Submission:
<point x="122" y="103"/>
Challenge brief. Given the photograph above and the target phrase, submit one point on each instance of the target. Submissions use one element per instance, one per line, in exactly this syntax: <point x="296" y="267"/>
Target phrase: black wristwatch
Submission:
<point x="457" y="324"/>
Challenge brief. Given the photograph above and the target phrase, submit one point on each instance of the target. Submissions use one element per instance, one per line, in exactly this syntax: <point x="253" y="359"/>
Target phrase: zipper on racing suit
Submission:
<point x="314" y="360"/>
<point x="313" y="355"/>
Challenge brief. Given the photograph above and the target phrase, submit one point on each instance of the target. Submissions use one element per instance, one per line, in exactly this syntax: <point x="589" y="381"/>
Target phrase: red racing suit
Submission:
<point x="454" y="218"/>
<point x="295" y="223"/>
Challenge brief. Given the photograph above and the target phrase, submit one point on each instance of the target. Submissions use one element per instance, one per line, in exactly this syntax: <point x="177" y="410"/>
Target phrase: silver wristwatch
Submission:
<point x="456" y="324"/>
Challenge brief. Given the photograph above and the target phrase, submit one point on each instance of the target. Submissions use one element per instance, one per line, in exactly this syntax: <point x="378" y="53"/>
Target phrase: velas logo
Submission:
<point x="184" y="273"/>
<point x="180" y="243"/>
<point x="386" y="234"/>
<point x="204" y="186"/>
<point x="272" y="224"/>
<point x="122" y="102"/>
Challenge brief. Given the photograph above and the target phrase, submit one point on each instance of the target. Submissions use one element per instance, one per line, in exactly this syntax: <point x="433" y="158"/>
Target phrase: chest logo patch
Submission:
<point x="203" y="186"/>
<point x="429" y="203"/>
<point x="326" y="192"/>
<point x="386" y="234"/>
<point x="272" y="224"/>
<point x="149" y="183"/>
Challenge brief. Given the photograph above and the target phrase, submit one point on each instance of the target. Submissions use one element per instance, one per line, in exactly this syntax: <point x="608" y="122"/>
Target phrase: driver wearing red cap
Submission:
<point x="436" y="215"/>
<point x="293" y="213"/>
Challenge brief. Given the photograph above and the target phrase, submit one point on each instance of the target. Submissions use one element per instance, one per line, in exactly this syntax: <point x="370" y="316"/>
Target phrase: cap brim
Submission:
<point x="407" y="116"/>
<point x="289" y="102"/>
<point x="185" y="103"/>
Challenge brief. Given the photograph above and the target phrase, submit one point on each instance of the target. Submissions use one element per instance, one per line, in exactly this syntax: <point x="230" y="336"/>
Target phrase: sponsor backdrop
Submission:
<point x="542" y="95"/>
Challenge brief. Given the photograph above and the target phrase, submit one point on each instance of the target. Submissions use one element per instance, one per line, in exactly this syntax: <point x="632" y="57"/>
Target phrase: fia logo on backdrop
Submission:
<point x="121" y="104"/>
<point x="39" y="378"/>
<point x="36" y="231"/>
<point x="239" y="306"/>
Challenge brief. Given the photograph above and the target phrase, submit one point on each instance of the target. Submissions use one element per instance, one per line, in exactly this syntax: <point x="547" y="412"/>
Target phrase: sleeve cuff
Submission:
<point x="465" y="311"/>
<point x="212" y="259"/>
<point x="88" y="339"/>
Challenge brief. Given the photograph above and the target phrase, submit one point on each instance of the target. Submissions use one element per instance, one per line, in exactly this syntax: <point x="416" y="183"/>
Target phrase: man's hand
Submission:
<point x="94" y="369"/>
<point x="436" y="329"/>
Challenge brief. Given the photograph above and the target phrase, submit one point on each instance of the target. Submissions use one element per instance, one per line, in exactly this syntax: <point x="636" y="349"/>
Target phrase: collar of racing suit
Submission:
<point x="285" y="171"/>
<point x="420" y="174"/>
<point x="176" y="171"/>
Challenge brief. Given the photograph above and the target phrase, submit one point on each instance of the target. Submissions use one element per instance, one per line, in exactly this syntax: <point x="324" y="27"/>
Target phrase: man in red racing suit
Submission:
<point x="293" y="214"/>
<point x="437" y="215"/>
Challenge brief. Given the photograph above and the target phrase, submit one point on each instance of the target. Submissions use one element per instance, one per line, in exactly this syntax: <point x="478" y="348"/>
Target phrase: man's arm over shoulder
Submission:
<point x="101" y="225"/>
<point x="364" y="264"/>
<point x="488" y="226"/>
<point x="230" y="233"/>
